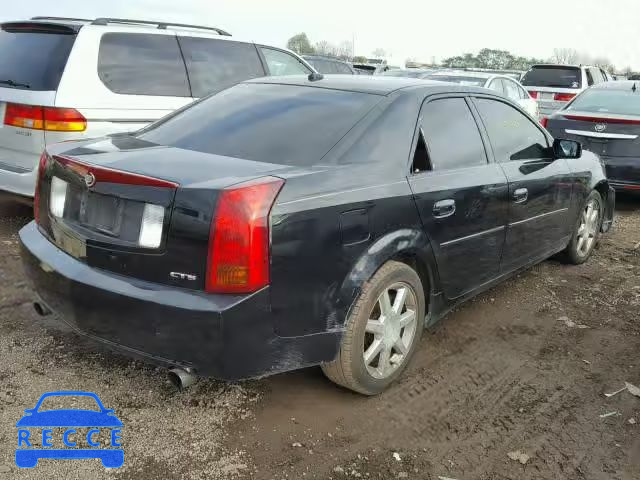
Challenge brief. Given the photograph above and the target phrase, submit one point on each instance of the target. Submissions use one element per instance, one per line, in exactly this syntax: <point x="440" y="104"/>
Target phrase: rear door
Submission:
<point x="540" y="187"/>
<point x="121" y="80"/>
<point x="460" y="195"/>
<point x="32" y="59"/>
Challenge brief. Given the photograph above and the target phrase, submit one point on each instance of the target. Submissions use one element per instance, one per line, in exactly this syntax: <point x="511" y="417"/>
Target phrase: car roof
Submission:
<point x="561" y="65"/>
<point x="374" y="84"/>
<point x="618" y="85"/>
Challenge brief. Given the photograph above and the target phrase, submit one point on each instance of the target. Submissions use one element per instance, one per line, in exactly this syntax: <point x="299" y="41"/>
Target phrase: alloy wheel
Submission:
<point x="588" y="229"/>
<point x="390" y="330"/>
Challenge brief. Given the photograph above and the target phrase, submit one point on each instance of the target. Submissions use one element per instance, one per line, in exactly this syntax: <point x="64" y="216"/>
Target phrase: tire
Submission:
<point x="586" y="232"/>
<point x="368" y="329"/>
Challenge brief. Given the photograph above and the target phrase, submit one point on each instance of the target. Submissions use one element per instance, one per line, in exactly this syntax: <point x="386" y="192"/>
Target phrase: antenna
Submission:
<point x="633" y="89"/>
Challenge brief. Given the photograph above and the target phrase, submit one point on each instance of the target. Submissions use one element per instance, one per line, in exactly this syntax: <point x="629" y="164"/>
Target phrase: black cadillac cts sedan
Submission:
<point x="291" y="222"/>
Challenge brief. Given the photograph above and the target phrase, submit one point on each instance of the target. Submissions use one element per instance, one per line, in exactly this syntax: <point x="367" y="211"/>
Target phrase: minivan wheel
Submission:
<point x="382" y="331"/>
<point x="587" y="230"/>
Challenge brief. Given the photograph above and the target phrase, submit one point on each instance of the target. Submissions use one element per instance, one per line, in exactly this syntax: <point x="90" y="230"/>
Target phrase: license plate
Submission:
<point x="103" y="213"/>
<point x="72" y="245"/>
<point x="546" y="96"/>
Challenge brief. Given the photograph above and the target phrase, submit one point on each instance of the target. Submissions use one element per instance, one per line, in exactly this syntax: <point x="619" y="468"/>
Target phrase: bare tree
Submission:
<point x="565" y="56"/>
<point x="379" y="53"/>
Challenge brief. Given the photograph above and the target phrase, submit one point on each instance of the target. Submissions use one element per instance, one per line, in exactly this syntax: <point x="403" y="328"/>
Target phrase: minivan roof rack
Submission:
<point x="68" y="19"/>
<point x="160" y="25"/>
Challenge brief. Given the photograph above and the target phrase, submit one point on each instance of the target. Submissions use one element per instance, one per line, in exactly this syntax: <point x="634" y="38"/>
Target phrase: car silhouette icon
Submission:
<point x="69" y="418"/>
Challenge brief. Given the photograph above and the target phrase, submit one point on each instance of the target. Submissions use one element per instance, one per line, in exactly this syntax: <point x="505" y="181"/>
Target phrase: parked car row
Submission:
<point x="63" y="79"/>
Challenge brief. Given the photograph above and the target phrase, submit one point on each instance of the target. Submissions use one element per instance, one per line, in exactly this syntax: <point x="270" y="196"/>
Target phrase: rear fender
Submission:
<point x="411" y="246"/>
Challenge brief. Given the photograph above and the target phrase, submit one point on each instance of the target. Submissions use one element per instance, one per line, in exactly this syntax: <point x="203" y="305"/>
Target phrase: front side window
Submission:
<point x="142" y="64"/>
<point x="214" y="65"/>
<point x="283" y="63"/>
<point x="511" y="90"/>
<point x="513" y="136"/>
<point x="452" y="135"/>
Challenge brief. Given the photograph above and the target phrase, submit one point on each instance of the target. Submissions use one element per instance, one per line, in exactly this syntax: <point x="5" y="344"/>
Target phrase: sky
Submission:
<point x="421" y="30"/>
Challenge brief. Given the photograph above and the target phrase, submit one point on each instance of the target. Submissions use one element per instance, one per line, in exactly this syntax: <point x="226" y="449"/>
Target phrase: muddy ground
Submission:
<point x="522" y="368"/>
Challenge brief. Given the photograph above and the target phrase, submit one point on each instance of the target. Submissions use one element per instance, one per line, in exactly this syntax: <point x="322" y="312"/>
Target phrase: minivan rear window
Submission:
<point x="33" y="56"/>
<point x="281" y="124"/>
<point x="553" y="76"/>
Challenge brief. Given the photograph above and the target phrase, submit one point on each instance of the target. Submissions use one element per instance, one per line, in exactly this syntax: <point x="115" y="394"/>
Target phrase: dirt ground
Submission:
<point x="520" y="372"/>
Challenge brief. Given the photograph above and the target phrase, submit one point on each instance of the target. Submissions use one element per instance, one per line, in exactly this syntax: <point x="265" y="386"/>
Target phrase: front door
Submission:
<point x="540" y="187"/>
<point x="461" y="197"/>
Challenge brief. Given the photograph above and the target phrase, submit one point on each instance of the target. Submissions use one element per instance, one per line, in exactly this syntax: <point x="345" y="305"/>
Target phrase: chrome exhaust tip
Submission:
<point x="182" y="378"/>
<point x="41" y="309"/>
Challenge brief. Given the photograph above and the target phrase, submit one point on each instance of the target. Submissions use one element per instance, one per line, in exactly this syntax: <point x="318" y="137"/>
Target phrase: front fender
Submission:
<point x="405" y="244"/>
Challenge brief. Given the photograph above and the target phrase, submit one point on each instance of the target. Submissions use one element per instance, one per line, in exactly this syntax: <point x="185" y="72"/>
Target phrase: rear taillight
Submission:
<point x="544" y="121"/>
<point x="564" y="97"/>
<point x="44" y="118"/>
<point x="533" y="94"/>
<point x="42" y="165"/>
<point x="239" y="241"/>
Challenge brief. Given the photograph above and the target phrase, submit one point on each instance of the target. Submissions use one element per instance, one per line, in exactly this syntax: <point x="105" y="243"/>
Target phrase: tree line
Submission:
<point x="488" y="58"/>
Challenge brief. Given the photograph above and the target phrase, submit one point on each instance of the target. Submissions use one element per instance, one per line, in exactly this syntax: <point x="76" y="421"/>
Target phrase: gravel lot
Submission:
<point x="519" y="372"/>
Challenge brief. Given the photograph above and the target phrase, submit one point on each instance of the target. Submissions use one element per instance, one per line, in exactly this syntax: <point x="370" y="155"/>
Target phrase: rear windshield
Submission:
<point x="608" y="100"/>
<point x="281" y="124"/>
<point x="462" y="80"/>
<point x="33" y="57"/>
<point x="559" y="77"/>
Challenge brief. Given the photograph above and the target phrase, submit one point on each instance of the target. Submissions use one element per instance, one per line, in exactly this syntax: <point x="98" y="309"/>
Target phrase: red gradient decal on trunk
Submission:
<point x="620" y="121"/>
<point x="109" y="175"/>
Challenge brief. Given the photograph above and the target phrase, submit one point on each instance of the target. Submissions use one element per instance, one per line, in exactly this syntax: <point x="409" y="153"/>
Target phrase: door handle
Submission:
<point x="521" y="195"/>
<point x="444" y="208"/>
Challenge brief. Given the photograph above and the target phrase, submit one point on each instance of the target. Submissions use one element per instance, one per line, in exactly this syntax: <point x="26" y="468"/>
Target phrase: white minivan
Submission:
<point x="65" y="79"/>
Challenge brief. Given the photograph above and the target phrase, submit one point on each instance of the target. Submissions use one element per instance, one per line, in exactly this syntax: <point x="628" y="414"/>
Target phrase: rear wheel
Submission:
<point x="587" y="230"/>
<point x="382" y="332"/>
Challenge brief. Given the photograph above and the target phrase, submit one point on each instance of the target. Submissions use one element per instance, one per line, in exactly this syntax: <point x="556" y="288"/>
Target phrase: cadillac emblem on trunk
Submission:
<point x="90" y="179"/>
<point x="600" y="127"/>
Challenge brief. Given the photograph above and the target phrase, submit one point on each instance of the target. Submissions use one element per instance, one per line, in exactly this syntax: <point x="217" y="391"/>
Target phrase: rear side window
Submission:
<point x="281" y="124"/>
<point x="452" y="135"/>
<point x="32" y="56"/>
<point x="283" y="63"/>
<point x="343" y="68"/>
<point x="511" y="89"/>
<point x="142" y="64"/>
<point x="214" y="65"/>
<point x="513" y="136"/>
<point x="553" y="76"/>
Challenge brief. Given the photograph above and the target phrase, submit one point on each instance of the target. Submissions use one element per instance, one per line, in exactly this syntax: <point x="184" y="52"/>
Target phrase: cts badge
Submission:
<point x="183" y="276"/>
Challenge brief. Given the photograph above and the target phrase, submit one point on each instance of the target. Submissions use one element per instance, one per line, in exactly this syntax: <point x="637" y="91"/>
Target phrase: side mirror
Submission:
<point x="566" y="148"/>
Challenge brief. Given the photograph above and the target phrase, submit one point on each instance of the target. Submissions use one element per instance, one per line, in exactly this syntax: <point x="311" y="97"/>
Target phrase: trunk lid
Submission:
<point x="118" y="188"/>
<point x="610" y="135"/>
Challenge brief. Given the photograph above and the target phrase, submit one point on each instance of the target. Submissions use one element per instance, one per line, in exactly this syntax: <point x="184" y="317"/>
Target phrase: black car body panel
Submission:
<point x="337" y="219"/>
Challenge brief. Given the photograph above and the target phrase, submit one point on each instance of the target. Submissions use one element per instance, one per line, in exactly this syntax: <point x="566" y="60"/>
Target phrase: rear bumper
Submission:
<point x="227" y="337"/>
<point x="17" y="181"/>
<point x="623" y="173"/>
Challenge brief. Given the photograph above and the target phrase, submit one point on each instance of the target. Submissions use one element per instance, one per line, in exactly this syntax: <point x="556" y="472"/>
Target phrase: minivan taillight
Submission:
<point x="42" y="165"/>
<point x="564" y="97"/>
<point x="44" y="118"/>
<point x="239" y="240"/>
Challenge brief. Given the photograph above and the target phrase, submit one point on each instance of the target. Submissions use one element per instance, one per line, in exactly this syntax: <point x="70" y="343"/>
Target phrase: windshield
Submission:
<point x="559" y="77"/>
<point x="462" y="80"/>
<point x="281" y="124"/>
<point x="607" y="100"/>
<point x="33" y="57"/>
